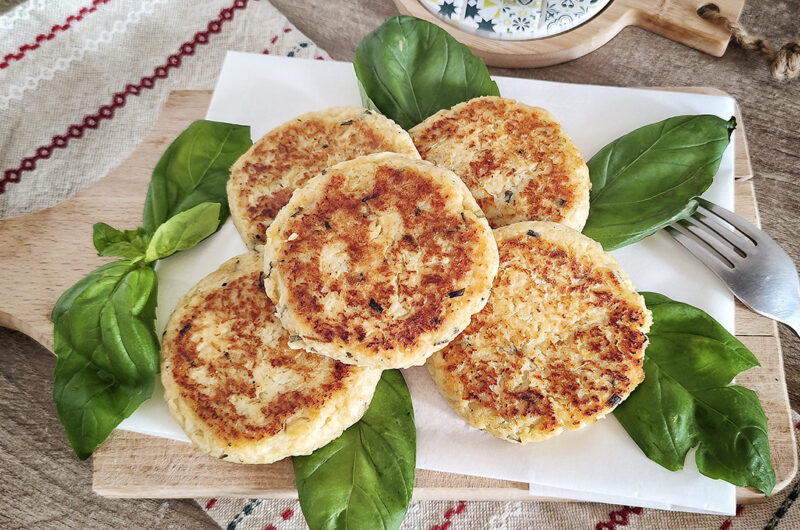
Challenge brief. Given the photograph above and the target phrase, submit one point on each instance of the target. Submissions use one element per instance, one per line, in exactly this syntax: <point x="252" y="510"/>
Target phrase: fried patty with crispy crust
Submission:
<point x="237" y="389"/>
<point x="516" y="160"/>
<point x="379" y="261"/>
<point x="559" y="344"/>
<point x="263" y="179"/>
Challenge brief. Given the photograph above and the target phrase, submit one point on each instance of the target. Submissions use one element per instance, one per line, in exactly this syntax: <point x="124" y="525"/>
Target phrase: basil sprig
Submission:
<point x="129" y="244"/>
<point x="408" y="69"/>
<point x="364" y="478"/>
<point x="650" y="177"/>
<point x="686" y="399"/>
<point x="183" y="230"/>
<point x="107" y="351"/>
<point x="194" y="169"/>
<point x="103" y="326"/>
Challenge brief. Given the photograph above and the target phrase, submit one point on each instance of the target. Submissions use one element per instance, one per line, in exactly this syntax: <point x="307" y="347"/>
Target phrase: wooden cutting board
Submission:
<point x="674" y="19"/>
<point x="44" y="253"/>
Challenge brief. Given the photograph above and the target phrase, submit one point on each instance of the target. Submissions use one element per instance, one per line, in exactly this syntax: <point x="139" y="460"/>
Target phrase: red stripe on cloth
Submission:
<point x="274" y="39"/>
<point x="118" y="100"/>
<point x="210" y="504"/>
<point x="48" y="36"/>
<point x="618" y="518"/>
<point x="285" y="515"/>
<point x="448" y="515"/>
<point x="727" y="522"/>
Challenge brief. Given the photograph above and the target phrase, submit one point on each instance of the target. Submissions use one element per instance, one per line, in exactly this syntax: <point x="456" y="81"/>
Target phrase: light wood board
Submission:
<point x="45" y="252"/>
<point x="675" y="19"/>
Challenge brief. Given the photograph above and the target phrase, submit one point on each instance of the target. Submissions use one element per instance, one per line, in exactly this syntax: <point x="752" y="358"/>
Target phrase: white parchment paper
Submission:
<point x="597" y="463"/>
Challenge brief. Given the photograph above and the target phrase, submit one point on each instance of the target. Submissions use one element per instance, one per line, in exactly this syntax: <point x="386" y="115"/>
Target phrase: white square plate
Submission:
<point x="599" y="462"/>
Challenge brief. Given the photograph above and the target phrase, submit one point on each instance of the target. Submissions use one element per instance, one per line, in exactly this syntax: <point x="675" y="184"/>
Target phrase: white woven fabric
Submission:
<point x="76" y="71"/>
<point x="81" y="68"/>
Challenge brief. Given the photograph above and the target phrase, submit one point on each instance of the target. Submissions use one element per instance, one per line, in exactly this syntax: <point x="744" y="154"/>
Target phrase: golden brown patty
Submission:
<point x="516" y="160"/>
<point x="236" y="388"/>
<point x="379" y="261"/>
<point x="263" y="178"/>
<point x="559" y="344"/>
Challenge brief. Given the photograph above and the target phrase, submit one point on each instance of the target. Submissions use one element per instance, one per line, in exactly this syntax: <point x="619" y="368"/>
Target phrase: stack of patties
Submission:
<point x="264" y="178"/>
<point x="376" y="262"/>
<point x="369" y="258"/>
<point x="561" y="341"/>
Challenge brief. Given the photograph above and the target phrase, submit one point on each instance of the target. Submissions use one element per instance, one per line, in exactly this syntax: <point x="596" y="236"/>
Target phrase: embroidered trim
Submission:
<point x="21" y="12"/>
<point x="787" y="503"/>
<point x="618" y="518"/>
<point x="77" y="54"/>
<point x="783" y="509"/>
<point x="727" y="522"/>
<point x="247" y="510"/>
<point x="296" y="49"/>
<point x="49" y="36"/>
<point x="448" y="516"/>
<point x="118" y="100"/>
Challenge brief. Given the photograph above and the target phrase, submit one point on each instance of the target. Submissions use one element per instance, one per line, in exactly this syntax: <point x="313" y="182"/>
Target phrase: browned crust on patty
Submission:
<point x="559" y="344"/>
<point x="226" y="360"/>
<point x="384" y="264"/>
<point x="263" y="179"/>
<point x="516" y="160"/>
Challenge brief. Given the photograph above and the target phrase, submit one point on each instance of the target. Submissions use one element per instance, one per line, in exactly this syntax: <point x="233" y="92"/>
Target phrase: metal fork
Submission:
<point x="752" y="265"/>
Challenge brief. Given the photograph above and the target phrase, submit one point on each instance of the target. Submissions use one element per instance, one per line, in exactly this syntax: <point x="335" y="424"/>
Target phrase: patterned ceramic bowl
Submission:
<point x="515" y="19"/>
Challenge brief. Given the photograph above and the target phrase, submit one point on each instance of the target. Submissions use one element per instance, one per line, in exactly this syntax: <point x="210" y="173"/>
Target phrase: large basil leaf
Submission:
<point x="183" y="230"/>
<point x="130" y="244"/>
<point x="649" y="178"/>
<point x="364" y="478"/>
<point x="686" y="399"/>
<point x="409" y="68"/>
<point x="107" y="351"/>
<point x="194" y="169"/>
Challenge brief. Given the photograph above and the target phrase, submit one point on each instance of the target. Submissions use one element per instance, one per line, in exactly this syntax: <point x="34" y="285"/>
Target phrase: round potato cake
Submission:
<point x="237" y="389"/>
<point x="516" y="160"/>
<point x="559" y="344"/>
<point x="263" y="179"/>
<point x="379" y="261"/>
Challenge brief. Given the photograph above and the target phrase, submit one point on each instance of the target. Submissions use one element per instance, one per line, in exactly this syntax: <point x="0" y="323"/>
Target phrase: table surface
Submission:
<point x="45" y="485"/>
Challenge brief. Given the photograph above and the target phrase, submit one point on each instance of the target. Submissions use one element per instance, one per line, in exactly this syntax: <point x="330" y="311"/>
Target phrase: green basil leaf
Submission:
<point x="183" y="230"/>
<point x="194" y="169"/>
<point x="104" y="333"/>
<point x="364" y="478"/>
<point x="107" y="350"/>
<point x="409" y="69"/>
<point x="647" y="179"/>
<point x="109" y="241"/>
<point x="686" y="399"/>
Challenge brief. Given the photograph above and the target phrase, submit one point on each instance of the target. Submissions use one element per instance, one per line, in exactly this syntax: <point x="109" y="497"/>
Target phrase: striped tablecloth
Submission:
<point x="81" y="82"/>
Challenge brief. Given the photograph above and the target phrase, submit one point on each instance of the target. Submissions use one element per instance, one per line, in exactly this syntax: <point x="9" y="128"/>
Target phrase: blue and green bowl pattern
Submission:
<point x="515" y="19"/>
